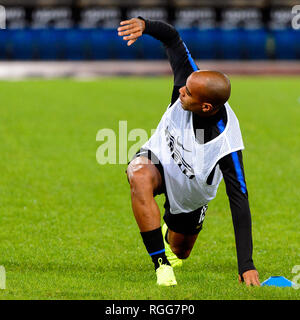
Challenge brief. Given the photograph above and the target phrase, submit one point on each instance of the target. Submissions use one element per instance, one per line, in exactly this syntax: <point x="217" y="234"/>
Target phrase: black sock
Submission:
<point x="154" y="244"/>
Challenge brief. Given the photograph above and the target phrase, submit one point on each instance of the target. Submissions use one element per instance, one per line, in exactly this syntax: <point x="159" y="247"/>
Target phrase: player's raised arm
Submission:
<point x="178" y="54"/>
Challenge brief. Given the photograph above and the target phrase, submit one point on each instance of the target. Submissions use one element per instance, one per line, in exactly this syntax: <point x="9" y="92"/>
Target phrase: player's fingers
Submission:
<point x="247" y="281"/>
<point x="129" y="31"/>
<point x="122" y="23"/>
<point x="256" y="281"/>
<point x="127" y="27"/>
<point x="130" y="42"/>
<point x="252" y="281"/>
<point x="133" y="36"/>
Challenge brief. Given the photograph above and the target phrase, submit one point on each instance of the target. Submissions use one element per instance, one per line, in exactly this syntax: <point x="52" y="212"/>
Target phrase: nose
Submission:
<point x="181" y="91"/>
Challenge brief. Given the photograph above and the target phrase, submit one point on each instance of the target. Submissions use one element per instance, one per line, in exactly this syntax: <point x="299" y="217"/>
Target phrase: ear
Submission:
<point x="207" y="107"/>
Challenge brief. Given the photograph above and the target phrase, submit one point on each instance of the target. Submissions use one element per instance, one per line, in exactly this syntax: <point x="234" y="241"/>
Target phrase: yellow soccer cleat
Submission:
<point x="172" y="258"/>
<point x="165" y="275"/>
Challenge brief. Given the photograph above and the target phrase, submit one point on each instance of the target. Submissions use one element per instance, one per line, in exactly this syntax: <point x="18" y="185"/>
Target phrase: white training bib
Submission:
<point x="188" y="163"/>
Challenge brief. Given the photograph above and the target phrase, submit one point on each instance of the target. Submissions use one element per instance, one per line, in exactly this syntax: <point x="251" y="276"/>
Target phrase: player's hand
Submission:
<point x="251" y="278"/>
<point x="131" y="30"/>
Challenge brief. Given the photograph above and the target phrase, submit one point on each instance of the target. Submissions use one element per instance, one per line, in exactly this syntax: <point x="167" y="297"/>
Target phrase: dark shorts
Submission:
<point x="188" y="223"/>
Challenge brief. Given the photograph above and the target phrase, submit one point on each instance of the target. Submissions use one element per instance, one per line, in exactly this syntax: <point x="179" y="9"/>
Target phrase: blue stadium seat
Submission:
<point x="255" y="41"/>
<point x="50" y="44"/>
<point x="100" y="44"/>
<point x="207" y="44"/>
<point x="106" y="44"/>
<point x="188" y="36"/>
<point x="120" y="48"/>
<point x="287" y="43"/>
<point x="97" y="39"/>
<point x="202" y="43"/>
<point x="151" y="49"/>
<point x="4" y="43"/>
<point x="297" y="43"/>
<point x="23" y="44"/>
<point x="75" y="44"/>
<point x="231" y="43"/>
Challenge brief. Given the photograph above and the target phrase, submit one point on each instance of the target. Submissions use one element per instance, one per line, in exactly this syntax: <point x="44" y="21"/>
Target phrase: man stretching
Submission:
<point x="197" y="143"/>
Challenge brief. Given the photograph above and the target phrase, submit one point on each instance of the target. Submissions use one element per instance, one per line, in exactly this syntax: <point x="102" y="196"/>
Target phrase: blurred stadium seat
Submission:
<point x="96" y="49"/>
<point x="231" y="43"/>
<point x="287" y="44"/>
<point x="22" y="44"/>
<point x="4" y="43"/>
<point x="151" y="49"/>
<point x="75" y="44"/>
<point x="86" y="29"/>
<point x="118" y="47"/>
<point x="255" y="42"/>
<point x="50" y="44"/>
<point x="202" y="43"/>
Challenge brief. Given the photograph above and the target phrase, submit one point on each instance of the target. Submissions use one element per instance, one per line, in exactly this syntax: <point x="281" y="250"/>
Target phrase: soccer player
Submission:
<point x="197" y="143"/>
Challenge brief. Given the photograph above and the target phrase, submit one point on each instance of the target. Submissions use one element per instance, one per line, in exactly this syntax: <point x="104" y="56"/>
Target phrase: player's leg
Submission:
<point x="181" y="244"/>
<point x="182" y="230"/>
<point x="145" y="182"/>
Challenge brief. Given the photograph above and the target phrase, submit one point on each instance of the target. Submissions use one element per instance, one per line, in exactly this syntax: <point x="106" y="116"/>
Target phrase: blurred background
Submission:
<point x="66" y="224"/>
<point x="85" y="30"/>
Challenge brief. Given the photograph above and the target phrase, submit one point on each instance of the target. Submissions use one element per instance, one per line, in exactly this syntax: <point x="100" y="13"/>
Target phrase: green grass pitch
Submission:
<point x="66" y="226"/>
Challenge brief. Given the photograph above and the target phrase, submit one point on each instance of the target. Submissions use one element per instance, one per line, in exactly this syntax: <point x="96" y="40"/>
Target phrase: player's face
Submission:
<point x="190" y="98"/>
<point x="186" y="98"/>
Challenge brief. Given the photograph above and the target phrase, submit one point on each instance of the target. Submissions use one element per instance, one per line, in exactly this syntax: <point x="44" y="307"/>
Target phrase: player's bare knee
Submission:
<point x="139" y="176"/>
